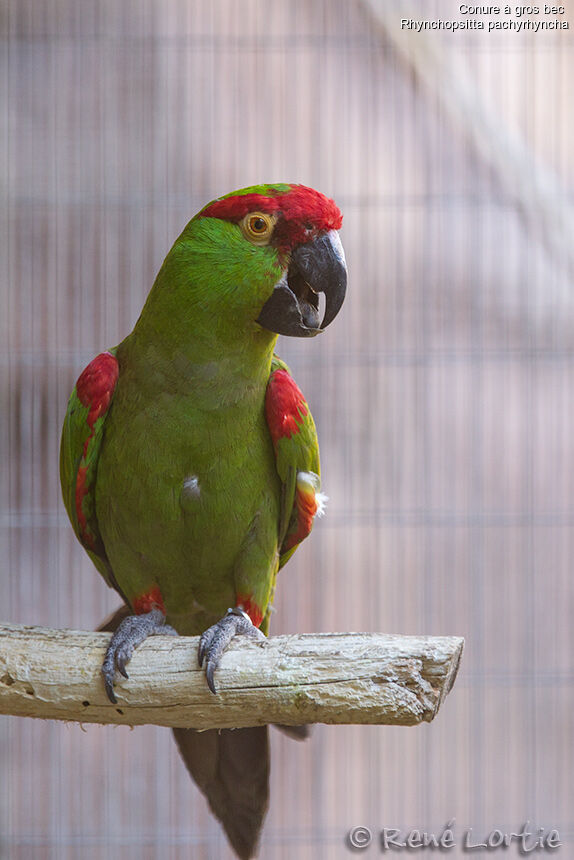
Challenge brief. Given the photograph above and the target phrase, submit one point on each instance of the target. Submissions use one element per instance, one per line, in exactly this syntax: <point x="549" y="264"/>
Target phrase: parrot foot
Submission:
<point x="216" y="638"/>
<point x="132" y="631"/>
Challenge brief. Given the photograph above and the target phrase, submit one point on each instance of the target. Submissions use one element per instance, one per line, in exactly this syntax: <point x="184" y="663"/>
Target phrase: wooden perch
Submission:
<point x="310" y="678"/>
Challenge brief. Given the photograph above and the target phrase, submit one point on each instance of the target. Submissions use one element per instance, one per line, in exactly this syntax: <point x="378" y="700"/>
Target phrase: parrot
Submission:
<point x="189" y="459"/>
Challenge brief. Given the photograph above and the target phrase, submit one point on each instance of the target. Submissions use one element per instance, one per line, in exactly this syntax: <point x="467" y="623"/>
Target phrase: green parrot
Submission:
<point x="189" y="458"/>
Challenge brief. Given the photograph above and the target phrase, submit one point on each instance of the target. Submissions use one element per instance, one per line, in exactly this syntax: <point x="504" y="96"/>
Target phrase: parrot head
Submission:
<point x="293" y="231"/>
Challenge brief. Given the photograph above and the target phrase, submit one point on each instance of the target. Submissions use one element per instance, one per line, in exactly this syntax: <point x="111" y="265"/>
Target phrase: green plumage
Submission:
<point x="188" y="495"/>
<point x="187" y="451"/>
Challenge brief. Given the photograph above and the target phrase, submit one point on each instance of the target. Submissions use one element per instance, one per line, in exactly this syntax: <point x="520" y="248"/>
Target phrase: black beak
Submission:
<point x="315" y="267"/>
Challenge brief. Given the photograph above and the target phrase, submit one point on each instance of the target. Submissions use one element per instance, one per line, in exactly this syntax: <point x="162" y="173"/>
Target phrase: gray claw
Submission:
<point x="132" y="631"/>
<point x="209" y="673"/>
<point x="205" y="643"/>
<point x="108" y="673"/>
<point x="121" y="666"/>
<point x="216" y="638"/>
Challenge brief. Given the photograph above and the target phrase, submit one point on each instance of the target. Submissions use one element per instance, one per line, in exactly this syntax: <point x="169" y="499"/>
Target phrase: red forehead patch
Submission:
<point x="302" y="210"/>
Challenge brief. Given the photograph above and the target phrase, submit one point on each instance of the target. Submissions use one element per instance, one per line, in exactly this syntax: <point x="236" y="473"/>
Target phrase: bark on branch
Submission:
<point x="310" y="678"/>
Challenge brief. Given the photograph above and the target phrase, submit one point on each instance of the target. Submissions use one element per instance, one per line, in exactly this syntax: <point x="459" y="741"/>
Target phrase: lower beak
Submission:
<point x="315" y="267"/>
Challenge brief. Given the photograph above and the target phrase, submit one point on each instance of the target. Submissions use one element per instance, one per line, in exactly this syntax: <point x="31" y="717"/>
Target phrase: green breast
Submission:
<point x="187" y="490"/>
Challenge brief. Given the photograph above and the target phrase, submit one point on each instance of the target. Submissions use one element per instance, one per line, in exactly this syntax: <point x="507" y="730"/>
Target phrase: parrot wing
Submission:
<point x="82" y="437"/>
<point x="297" y="458"/>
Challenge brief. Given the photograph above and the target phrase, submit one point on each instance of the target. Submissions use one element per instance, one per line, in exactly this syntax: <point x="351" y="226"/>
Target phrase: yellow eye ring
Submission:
<point x="258" y="227"/>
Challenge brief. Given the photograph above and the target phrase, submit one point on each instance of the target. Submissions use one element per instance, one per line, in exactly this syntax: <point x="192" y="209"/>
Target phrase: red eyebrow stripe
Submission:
<point x="235" y="208"/>
<point x="300" y="204"/>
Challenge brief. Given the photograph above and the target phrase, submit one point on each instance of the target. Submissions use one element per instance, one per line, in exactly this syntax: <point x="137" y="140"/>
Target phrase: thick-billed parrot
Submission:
<point x="189" y="457"/>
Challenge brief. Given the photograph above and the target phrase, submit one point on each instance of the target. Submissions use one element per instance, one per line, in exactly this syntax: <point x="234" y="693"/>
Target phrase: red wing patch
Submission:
<point x="96" y="384"/>
<point x="285" y="406"/>
<point x="95" y="388"/>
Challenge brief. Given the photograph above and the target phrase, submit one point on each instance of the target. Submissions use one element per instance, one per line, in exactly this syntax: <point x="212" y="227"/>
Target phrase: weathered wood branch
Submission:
<point x="310" y="678"/>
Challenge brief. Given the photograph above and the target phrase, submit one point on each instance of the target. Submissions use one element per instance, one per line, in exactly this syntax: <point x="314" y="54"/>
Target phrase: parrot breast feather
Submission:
<point x="79" y="453"/>
<point x="296" y="448"/>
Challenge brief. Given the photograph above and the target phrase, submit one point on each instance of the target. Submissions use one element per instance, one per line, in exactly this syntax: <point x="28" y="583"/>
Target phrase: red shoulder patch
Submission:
<point x="95" y="388"/>
<point x="285" y="406"/>
<point x="96" y="385"/>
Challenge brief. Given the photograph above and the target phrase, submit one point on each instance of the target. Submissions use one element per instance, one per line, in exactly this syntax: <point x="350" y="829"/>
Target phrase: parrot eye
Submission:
<point x="258" y="227"/>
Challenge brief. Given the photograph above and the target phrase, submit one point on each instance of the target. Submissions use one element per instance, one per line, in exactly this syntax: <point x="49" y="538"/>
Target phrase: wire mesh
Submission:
<point x="442" y="393"/>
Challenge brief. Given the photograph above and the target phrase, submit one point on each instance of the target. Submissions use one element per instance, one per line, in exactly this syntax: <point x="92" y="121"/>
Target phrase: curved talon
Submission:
<point x="205" y="643"/>
<point x="209" y="673"/>
<point x="121" y="667"/>
<point x="216" y="638"/>
<point x="132" y="631"/>
<point x="108" y="675"/>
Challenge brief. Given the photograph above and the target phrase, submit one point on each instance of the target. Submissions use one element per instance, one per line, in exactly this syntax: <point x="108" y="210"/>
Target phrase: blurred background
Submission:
<point x="443" y="392"/>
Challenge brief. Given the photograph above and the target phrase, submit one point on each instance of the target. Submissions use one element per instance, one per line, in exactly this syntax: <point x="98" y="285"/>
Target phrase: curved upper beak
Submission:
<point x="315" y="267"/>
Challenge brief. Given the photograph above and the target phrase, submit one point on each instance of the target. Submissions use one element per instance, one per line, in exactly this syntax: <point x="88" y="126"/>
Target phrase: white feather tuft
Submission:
<point x="321" y="500"/>
<point x="311" y="482"/>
